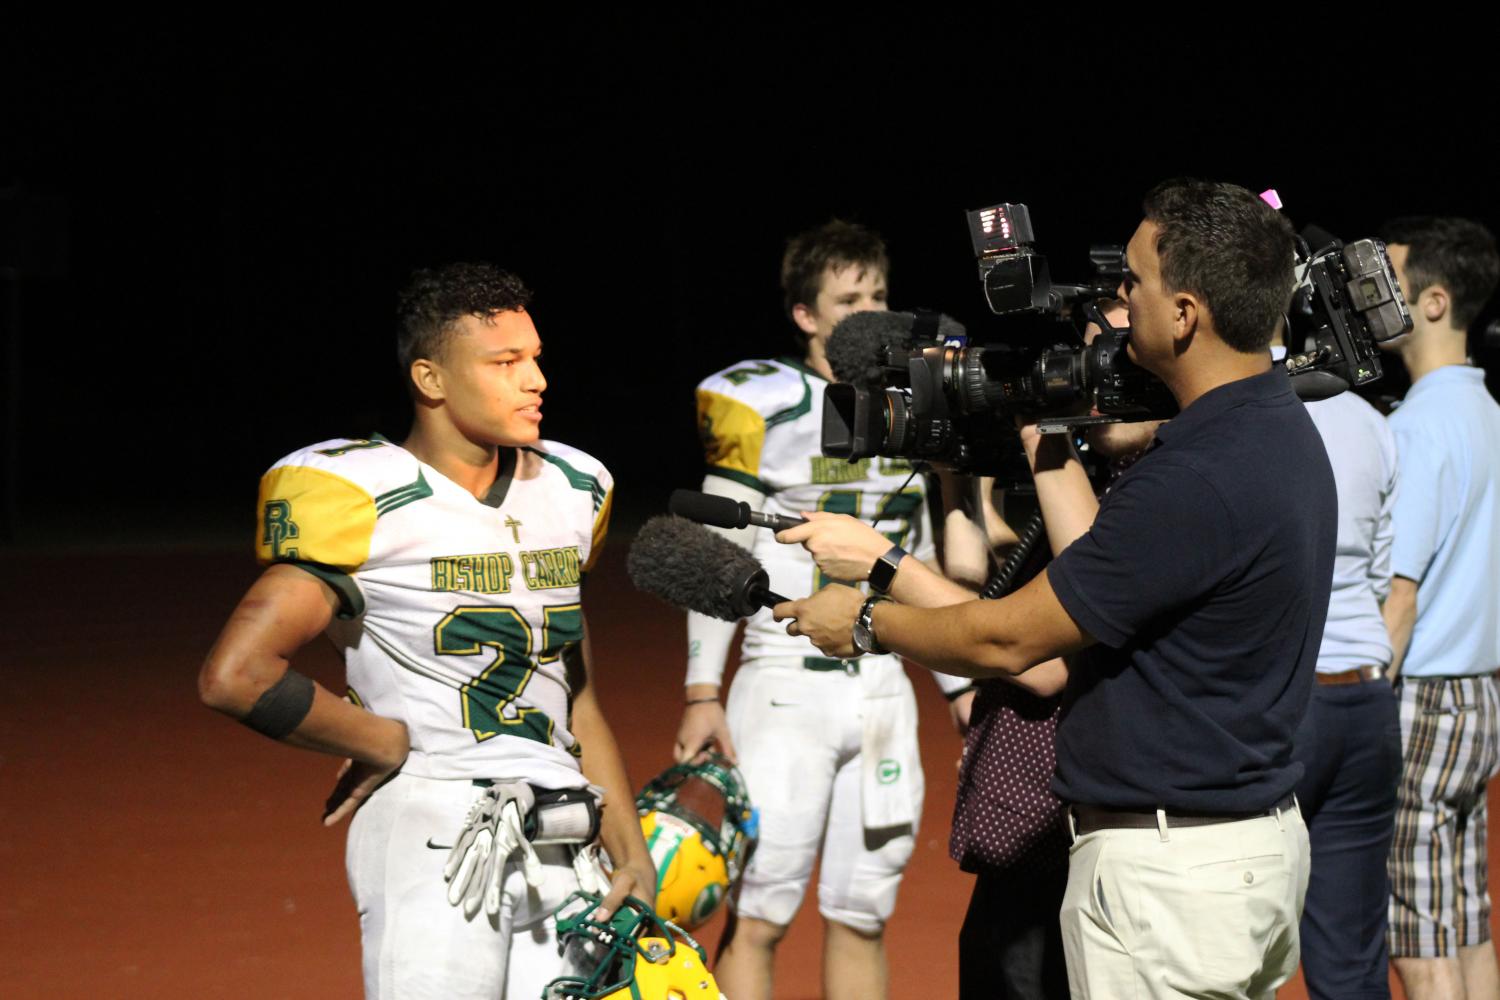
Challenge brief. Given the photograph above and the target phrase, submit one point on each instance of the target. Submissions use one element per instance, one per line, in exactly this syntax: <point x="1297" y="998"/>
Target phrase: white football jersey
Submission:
<point x="762" y="426"/>
<point x="457" y="614"/>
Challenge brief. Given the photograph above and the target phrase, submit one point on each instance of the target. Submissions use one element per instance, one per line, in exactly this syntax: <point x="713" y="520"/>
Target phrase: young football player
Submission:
<point x="828" y="748"/>
<point x="448" y="570"/>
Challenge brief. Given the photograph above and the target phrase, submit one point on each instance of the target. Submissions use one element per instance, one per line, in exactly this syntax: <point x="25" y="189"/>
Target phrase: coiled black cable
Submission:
<point x="999" y="584"/>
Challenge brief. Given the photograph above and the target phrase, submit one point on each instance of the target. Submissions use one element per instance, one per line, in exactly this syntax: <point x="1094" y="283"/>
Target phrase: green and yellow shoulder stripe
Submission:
<point x="318" y="508"/>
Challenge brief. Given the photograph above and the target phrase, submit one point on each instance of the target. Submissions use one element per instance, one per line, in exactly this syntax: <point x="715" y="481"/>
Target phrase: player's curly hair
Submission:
<point x="838" y="244"/>
<point x="435" y="299"/>
<point x="1458" y="254"/>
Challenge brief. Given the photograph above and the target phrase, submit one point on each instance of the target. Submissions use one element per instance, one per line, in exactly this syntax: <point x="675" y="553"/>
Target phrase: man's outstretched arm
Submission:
<point x="845" y="548"/>
<point x="973" y="639"/>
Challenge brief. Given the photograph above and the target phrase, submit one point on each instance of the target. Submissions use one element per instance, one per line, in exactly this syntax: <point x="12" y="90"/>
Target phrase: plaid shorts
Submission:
<point x="1450" y="743"/>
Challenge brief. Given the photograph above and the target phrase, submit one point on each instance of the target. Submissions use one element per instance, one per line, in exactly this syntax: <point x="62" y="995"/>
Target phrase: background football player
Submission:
<point x="828" y="748"/>
<point x="448" y="572"/>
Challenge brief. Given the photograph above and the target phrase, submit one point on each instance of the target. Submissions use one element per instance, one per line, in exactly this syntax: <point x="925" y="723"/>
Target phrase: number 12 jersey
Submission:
<point x="762" y="426"/>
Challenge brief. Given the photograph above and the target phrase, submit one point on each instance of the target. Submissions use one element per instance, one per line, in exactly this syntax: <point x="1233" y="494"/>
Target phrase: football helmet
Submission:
<point x="700" y="829"/>
<point x="635" y="955"/>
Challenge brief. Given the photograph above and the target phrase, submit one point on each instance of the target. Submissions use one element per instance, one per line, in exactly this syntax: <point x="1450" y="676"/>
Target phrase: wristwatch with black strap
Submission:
<point x="883" y="573"/>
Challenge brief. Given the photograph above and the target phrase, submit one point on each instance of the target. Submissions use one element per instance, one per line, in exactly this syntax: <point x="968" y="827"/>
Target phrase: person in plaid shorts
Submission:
<point x="1443" y="614"/>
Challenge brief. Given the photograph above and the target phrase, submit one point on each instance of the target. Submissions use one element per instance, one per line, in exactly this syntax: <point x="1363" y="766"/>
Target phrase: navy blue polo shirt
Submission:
<point x="1205" y="578"/>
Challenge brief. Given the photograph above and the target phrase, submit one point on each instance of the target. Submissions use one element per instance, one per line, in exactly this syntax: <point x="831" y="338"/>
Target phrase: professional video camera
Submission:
<point x="1347" y="300"/>
<point x="914" y="389"/>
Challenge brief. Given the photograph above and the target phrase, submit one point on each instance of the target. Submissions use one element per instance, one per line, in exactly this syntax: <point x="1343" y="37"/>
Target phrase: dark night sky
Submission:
<point x="238" y="216"/>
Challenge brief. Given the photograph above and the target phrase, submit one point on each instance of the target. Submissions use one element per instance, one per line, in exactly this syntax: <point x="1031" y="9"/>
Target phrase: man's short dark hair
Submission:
<point x="1229" y="248"/>
<point x="1458" y="254"/>
<point x="435" y="299"/>
<point x="835" y="244"/>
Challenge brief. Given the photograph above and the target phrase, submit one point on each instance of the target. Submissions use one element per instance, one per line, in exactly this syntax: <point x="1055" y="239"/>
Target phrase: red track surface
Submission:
<point x="151" y="848"/>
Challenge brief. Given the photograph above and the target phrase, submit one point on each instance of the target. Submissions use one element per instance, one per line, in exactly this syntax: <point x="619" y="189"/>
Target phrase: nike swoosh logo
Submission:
<point x="439" y="847"/>
<point x="783" y="704"/>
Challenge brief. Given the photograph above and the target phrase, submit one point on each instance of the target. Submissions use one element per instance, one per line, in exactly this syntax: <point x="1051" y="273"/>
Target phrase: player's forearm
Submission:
<point x="336" y="727"/>
<point x="332" y="725"/>
<point x="709" y="640"/>
<point x="620" y="828"/>
<point x="283" y="611"/>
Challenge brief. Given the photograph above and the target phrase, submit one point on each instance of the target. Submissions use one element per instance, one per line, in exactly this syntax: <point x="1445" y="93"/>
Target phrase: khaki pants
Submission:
<point x="1186" y="911"/>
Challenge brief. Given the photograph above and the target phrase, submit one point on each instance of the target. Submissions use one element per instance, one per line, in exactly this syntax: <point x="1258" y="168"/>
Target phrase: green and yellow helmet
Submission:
<point x="700" y="828"/>
<point x="635" y="955"/>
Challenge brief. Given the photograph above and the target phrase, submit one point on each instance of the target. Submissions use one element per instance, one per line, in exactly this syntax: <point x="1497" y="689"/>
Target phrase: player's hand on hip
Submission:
<point x="357" y="781"/>
<point x="844" y="547"/>
<point x="826" y="618"/>
<point x="703" y="728"/>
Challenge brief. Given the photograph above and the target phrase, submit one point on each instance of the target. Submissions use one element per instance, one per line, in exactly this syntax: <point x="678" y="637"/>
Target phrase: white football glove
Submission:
<point x="588" y="865"/>
<point x="493" y="832"/>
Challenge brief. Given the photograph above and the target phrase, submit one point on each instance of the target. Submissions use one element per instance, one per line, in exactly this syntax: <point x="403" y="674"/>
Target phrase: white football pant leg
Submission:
<point x="785" y="723"/>
<point x="862" y="868"/>
<point x="416" y="944"/>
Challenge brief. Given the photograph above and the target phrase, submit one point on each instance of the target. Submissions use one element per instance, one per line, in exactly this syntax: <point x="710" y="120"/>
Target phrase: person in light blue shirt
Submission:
<point x="1448" y="431"/>
<point x="1350" y="740"/>
<point x="1444" y="614"/>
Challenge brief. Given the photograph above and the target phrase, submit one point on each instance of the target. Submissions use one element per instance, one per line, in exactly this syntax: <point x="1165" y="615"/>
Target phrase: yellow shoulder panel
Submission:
<point x="733" y="433"/>
<point x="310" y="515"/>
<point x="601" y="529"/>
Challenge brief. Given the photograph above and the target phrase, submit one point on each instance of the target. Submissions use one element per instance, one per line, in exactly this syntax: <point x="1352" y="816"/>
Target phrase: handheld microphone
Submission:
<point x="722" y="512"/>
<point x="690" y="567"/>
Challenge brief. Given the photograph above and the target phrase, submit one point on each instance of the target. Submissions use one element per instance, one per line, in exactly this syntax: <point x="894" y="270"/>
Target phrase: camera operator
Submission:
<point x="1446" y="559"/>
<point x="1198" y="606"/>
<point x="1008" y="827"/>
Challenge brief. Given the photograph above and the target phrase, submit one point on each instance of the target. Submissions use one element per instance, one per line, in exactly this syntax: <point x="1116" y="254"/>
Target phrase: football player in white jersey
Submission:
<point x="448" y="572"/>
<point x="828" y="748"/>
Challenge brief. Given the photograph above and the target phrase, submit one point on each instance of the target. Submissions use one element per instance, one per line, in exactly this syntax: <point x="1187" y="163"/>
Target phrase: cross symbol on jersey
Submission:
<point x="515" y="528"/>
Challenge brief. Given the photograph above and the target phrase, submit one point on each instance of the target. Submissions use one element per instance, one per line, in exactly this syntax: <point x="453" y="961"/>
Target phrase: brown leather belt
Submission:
<point x="1356" y="676"/>
<point x="1087" y="819"/>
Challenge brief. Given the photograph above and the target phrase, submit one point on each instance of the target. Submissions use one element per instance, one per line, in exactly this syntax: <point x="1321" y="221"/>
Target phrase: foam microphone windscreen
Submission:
<point x="690" y="567"/>
<point x="857" y="347"/>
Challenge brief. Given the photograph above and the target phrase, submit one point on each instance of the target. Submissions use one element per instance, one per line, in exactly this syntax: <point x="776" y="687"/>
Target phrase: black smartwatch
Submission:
<point x="863" y="637"/>
<point x="883" y="573"/>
